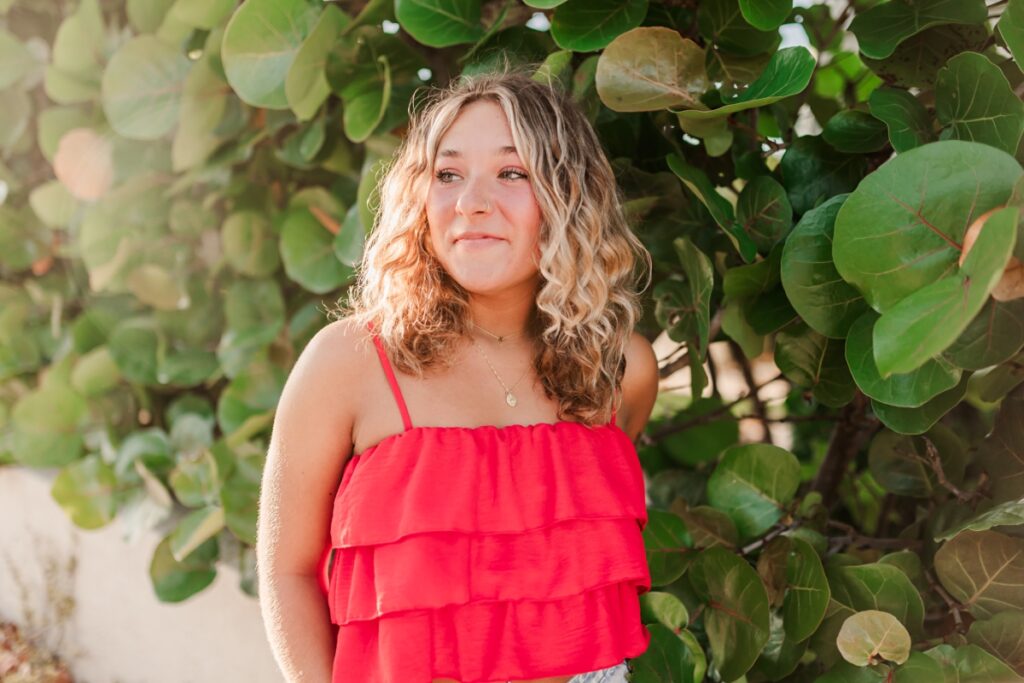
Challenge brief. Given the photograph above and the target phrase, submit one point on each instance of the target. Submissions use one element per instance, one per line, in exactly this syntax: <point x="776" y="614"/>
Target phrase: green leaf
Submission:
<point x="994" y="336"/>
<point x="909" y="390"/>
<point x="736" y="617"/>
<point x="816" y="362"/>
<point x="307" y="250"/>
<point x="203" y="14"/>
<point x="175" y="581"/>
<point x="671" y="656"/>
<point x="204" y="101"/>
<point x="260" y="44"/>
<point x="704" y="441"/>
<point x="722" y="24"/>
<point x="899" y="463"/>
<point x="590" y="25"/>
<point x="651" y="68"/>
<point x="971" y="664"/>
<point x="917" y="60"/>
<point x="763" y="212"/>
<point x="766" y="15"/>
<point x="195" y="529"/>
<point x="15" y="60"/>
<point x="1002" y="636"/>
<point x="855" y="131"/>
<point x="807" y="595"/>
<point x="752" y="484"/>
<point x="844" y="672"/>
<point x="919" y="420"/>
<point x="984" y="571"/>
<point x="1008" y="513"/>
<point x="823" y="299"/>
<point x="440" y="23"/>
<point x="927" y="321"/>
<point x="880" y="29"/>
<point x="142" y="88"/>
<point x="919" y="668"/>
<point x="876" y="586"/>
<point x="788" y="72"/>
<point x="250" y="246"/>
<point x="1011" y="28"/>
<point x="996" y="118"/>
<point x="666" y="541"/>
<point x="902" y="228"/>
<point x="1001" y="454"/>
<point x="664" y="608"/>
<point x="813" y="171"/>
<point x="86" y="490"/>
<point x="306" y="85"/>
<point x="868" y="636"/>
<point x="721" y="210"/>
<point x="366" y="102"/>
<point x="709" y="527"/>
<point x="906" y="119"/>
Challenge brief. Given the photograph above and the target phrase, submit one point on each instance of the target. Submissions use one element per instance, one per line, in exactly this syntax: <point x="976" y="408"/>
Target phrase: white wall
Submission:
<point x="87" y="596"/>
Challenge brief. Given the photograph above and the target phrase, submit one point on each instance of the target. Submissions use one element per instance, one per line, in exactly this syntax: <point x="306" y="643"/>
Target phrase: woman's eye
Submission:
<point x="443" y="176"/>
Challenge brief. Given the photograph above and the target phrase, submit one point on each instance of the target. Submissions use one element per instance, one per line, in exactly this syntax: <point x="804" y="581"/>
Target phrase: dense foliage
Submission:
<point x="185" y="185"/>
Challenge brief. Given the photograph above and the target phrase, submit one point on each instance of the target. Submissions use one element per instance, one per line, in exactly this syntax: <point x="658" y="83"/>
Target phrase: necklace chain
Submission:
<point x="510" y="398"/>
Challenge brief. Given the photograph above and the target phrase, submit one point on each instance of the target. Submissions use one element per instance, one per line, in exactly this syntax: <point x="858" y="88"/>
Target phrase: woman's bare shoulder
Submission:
<point x="332" y="363"/>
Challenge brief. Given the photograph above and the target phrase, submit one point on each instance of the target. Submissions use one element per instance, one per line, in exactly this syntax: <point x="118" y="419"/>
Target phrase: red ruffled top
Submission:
<point x="487" y="554"/>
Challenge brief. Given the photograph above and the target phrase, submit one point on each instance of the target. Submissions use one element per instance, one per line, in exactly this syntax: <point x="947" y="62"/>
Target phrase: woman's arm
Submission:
<point x="310" y="443"/>
<point x="639" y="386"/>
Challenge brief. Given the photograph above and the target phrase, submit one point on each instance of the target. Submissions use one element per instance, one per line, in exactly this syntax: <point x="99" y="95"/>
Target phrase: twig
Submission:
<point x="709" y="416"/>
<point x="851" y="433"/>
<point x="955" y="607"/>
<point x="936" y="464"/>
<point x="748" y="377"/>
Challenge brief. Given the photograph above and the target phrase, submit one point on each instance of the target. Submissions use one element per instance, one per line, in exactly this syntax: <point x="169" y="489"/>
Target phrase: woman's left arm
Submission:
<point x="639" y="386"/>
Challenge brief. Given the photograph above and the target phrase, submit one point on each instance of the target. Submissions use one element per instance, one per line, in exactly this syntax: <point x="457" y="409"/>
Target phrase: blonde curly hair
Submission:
<point x="587" y="303"/>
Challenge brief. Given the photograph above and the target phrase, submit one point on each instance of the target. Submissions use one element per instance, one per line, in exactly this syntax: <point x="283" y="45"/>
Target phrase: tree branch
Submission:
<point x="849" y="436"/>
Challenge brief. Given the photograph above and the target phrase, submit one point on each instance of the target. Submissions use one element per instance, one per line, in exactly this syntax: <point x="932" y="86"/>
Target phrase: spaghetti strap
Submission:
<point x="391" y="377"/>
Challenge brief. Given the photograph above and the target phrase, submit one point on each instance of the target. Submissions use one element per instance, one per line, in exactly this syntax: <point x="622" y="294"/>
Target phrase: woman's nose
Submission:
<point x="473" y="200"/>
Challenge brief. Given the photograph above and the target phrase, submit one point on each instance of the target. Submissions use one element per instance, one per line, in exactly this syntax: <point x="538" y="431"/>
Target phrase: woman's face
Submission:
<point x="483" y="217"/>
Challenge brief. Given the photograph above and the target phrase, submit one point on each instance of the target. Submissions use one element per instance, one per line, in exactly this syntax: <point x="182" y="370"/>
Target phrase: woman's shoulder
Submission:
<point x="334" y="361"/>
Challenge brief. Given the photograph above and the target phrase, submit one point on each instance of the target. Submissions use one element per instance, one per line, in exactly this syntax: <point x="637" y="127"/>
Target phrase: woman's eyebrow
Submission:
<point x="507" y="150"/>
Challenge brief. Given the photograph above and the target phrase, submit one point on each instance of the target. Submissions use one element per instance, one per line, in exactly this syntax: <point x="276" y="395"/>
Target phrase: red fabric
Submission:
<point x="487" y="554"/>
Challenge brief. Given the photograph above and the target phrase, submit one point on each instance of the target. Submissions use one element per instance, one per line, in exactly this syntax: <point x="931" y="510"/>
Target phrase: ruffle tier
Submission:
<point x="495" y="642"/>
<point x="488" y="554"/>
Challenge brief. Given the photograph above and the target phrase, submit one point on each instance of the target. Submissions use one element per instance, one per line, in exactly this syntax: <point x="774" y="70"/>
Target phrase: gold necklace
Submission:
<point x="510" y="398"/>
<point x="500" y="338"/>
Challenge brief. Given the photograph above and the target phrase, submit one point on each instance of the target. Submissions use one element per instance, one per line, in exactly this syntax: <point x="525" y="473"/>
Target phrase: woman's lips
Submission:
<point x="478" y="242"/>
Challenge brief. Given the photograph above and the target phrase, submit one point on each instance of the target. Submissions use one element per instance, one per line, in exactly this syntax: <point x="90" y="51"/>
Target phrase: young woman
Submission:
<point x="452" y="493"/>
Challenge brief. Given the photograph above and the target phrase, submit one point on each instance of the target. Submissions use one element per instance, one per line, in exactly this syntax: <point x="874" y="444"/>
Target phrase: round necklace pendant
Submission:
<point x="510" y="399"/>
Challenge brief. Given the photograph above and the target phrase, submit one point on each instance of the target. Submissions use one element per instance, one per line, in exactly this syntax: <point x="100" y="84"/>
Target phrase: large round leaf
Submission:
<point x="900" y="463"/>
<point x="440" y="23"/>
<point x="996" y="119"/>
<point x="142" y="88"/>
<point x="307" y="250"/>
<point x="994" y="336"/>
<point x="927" y="321"/>
<point x="766" y="15"/>
<point x="880" y="29"/>
<point x="736" y="617"/>
<point x="752" y="484"/>
<point x="651" y="68"/>
<point x="590" y="25"/>
<point x="870" y="636"/>
<point x="87" y="490"/>
<point x="1001" y="636"/>
<point x="673" y="655"/>
<point x="919" y="420"/>
<point x="175" y="581"/>
<point x="46" y="426"/>
<point x="876" y="586"/>
<point x="853" y="130"/>
<point x="908" y="390"/>
<point x="903" y="227"/>
<point x="907" y="121"/>
<point x="306" y="85"/>
<point x="824" y="300"/>
<point x="250" y="246"/>
<point x="807" y="593"/>
<point x="811" y="360"/>
<point x="984" y="571"/>
<point x="666" y="541"/>
<point x="260" y="43"/>
<point x="763" y="212"/>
